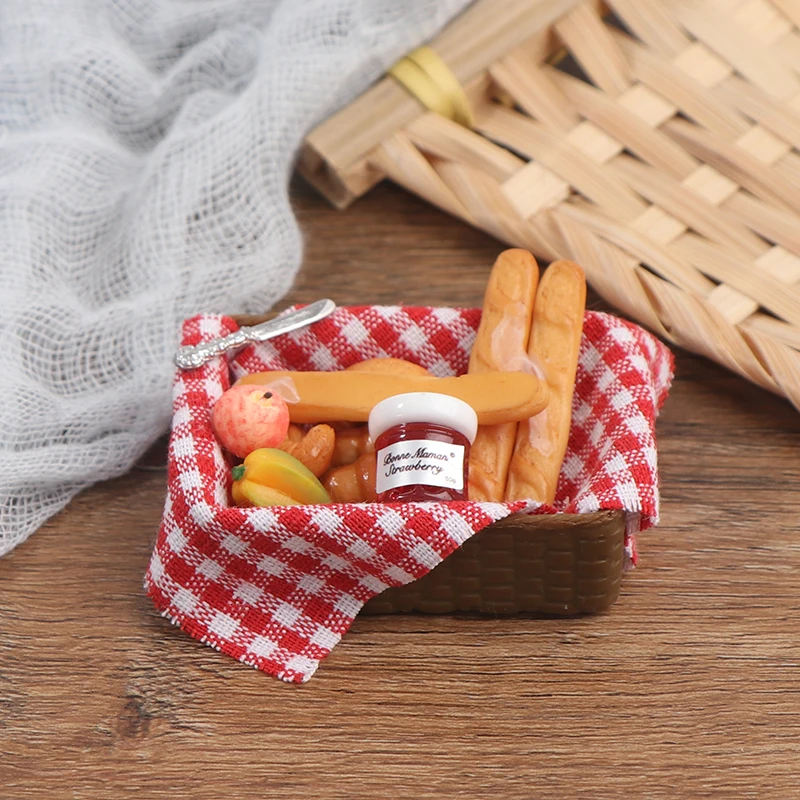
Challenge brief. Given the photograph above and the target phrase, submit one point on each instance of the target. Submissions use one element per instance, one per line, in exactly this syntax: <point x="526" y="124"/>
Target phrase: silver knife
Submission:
<point x="194" y="356"/>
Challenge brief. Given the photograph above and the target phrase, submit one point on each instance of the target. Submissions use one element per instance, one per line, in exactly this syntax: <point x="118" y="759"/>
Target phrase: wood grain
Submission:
<point x="687" y="687"/>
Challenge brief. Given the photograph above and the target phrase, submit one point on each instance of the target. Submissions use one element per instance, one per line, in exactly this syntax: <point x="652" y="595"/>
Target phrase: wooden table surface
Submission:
<point x="688" y="687"/>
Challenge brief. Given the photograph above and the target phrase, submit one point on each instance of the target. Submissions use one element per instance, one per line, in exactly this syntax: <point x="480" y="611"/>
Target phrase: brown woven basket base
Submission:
<point x="562" y="564"/>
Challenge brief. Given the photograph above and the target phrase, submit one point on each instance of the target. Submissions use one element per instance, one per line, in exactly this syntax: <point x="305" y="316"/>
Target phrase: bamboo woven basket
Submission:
<point x="655" y="142"/>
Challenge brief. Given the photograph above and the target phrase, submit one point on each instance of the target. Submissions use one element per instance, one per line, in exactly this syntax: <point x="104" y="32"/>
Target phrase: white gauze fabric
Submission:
<point x="145" y="152"/>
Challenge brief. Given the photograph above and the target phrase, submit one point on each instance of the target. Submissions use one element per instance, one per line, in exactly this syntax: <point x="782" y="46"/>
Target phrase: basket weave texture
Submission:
<point x="661" y="154"/>
<point x="565" y="564"/>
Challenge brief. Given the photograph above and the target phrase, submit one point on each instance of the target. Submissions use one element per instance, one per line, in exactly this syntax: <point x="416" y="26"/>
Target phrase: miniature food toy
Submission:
<point x="247" y="417"/>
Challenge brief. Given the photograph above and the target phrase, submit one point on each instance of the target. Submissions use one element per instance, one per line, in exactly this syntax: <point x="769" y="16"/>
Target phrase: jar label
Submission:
<point x="420" y="461"/>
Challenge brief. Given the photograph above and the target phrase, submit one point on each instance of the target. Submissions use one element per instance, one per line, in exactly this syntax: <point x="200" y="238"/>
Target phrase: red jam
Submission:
<point x="415" y="466"/>
<point x="422" y="444"/>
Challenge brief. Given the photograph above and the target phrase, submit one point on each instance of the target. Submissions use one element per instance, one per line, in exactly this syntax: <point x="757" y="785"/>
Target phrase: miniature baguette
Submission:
<point x="508" y="302"/>
<point x="350" y="396"/>
<point x="388" y="366"/>
<point x="555" y="340"/>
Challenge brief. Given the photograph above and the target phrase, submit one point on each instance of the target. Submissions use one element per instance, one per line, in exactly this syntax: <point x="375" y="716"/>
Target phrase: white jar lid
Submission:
<point x="432" y="407"/>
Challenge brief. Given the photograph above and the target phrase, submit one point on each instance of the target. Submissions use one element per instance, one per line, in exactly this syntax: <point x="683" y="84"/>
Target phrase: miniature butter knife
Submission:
<point x="193" y="356"/>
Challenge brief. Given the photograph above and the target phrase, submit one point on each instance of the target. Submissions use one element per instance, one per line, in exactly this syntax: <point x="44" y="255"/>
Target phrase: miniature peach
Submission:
<point x="246" y="418"/>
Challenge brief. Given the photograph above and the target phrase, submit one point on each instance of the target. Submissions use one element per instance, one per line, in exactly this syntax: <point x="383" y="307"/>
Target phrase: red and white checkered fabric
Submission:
<point x="278" y="587"/>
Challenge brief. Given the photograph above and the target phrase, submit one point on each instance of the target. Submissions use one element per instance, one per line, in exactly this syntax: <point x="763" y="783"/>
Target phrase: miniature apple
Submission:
<point x="247" y="418"/>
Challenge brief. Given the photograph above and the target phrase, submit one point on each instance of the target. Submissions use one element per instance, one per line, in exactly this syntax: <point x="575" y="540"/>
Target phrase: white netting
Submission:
<point x="145" y="154"/>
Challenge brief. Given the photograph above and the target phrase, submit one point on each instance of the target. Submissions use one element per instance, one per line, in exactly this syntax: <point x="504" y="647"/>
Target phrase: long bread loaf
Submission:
<point x="555" y="341"/>
<point x="502" y="336"/>
<point x="350" y="396"/>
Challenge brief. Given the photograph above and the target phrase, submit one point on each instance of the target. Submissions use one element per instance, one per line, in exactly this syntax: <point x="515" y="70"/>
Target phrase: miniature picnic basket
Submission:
<point x="277" y="587"/>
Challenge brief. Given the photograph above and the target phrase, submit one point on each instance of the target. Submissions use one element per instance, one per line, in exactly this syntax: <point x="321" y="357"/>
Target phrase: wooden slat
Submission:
<point x="735" y="162"/>
<point x="781" y="300"/>
<point x="701" y="328"/>
<point x="774" y="224"/>
<point x="438" y="136"/>
<point x="533" y="189"/>
<point x="650" y="21"/>
<point x="791" y="8"/>
<point x="534" y="91"/>
<point x="486" y="203"/>
<point x="688" y="206"/>
<point x="737" y="46"/>
<point x="641" y="247"/>
<point x="780" y="117"/>
<point x="400" y="160"/>
<point x="630" y="128"/>
<point x="762" y="21"/>
<point x="564" y="159"/>
<point x="593" y="47"/>
<point x="681" y="88"/>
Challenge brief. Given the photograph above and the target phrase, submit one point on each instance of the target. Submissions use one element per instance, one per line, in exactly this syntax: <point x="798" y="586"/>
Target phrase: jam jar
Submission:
<point x="422" y="442"/>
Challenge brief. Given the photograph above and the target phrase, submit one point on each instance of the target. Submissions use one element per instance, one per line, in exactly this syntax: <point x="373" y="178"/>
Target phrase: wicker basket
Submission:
<point x="661" y="154"/>
<point x="556" y="564"/>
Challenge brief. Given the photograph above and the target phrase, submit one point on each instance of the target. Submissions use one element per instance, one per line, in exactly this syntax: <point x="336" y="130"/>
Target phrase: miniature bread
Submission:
<point x="314" y="449"/>
<point x="502" y="335"/>
<point x="353" y="483"/>
<point x="555" y="340"/>
<point x="350" y="396"/>
<point x="388" y="366"/>
<point x="350" y="444"/>
<point x="294" y="434"/>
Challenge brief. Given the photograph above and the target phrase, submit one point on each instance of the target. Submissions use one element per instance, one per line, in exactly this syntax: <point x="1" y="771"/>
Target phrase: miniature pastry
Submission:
<point x="352" y="483"/>
<point x="555" y="340"/>
<point x="350" y="445"/>
<point x="313" y="448"/>
<point x="388" y="366"/>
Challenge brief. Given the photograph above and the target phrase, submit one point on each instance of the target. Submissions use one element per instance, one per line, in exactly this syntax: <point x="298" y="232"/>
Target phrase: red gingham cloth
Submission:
<point x="278" y="587"/>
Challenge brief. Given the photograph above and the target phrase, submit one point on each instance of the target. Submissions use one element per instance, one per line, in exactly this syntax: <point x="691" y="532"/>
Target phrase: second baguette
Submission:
<point x="555" y="341"/>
